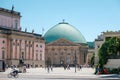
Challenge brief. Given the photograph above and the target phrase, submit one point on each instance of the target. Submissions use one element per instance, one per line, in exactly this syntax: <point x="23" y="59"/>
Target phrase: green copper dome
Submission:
<point x="66" y="31"/>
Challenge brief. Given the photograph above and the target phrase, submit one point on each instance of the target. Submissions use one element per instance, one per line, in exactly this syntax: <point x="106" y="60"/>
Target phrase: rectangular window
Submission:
<point x="68" y="54"/>
<point x="16" y="24"/>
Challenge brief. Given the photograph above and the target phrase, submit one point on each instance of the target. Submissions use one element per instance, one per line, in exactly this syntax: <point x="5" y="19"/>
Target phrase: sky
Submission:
<point x="90" y="17"/>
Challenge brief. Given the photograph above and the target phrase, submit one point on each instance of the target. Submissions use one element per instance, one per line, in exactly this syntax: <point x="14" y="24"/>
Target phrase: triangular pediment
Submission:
<point x="62" y="42"/>
<point x="3" y="48"/>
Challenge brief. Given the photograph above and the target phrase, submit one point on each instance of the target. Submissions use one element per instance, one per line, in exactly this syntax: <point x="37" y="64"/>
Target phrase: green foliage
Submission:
<point x="103" y="54"/>
<point x="113" y="45"/>
<point x="92" y="60"/>
<point x="109" y="48"/>
<point x="114" y="71"/>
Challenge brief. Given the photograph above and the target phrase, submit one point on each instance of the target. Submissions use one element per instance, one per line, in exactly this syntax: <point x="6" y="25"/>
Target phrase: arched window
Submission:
<point x="68" y="59"/>
<point x="84" y="57"/>
<point x="36" y="56"/>
<point x="3" y="54"/>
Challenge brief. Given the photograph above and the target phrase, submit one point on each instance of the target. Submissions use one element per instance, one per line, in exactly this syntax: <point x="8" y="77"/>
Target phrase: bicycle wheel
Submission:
<point x="16" y="76"/>
<point x="9" y="75"/>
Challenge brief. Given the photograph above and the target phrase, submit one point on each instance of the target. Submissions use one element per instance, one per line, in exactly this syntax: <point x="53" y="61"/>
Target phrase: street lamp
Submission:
<point x="75" y="58"/>
<point x="75" y="61"/>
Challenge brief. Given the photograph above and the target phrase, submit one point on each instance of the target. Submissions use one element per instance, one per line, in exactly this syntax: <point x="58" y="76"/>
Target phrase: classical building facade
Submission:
<point x="16" y="45"/>
<point x="100" y="40"/>
<point x="65" y="45"/>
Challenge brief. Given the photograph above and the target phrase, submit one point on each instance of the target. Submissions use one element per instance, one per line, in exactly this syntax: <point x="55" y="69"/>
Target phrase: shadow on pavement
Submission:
<point x="112" y="76"/>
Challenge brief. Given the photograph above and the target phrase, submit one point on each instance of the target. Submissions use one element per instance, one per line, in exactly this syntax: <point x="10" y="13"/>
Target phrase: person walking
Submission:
<point x="24" y="69"/>
<point x="80" y="67"/>
<point x="48" y="68"/>
<point x="51" y="68"/>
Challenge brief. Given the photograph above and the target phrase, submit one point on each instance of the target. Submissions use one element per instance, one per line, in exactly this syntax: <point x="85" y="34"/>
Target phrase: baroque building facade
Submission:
<point x="65" y="45"/>
<point x="16" y="45"/>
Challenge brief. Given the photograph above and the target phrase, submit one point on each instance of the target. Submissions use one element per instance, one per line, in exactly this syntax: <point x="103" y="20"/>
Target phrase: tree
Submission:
<point x="92" y="60"/>
<point x="109" y="48"/>
<point x="103" y="54"/>
<point x="114" y="47"/>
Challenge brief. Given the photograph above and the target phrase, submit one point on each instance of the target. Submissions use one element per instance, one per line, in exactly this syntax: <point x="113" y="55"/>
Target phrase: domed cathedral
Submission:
<point x="65" y="45"/>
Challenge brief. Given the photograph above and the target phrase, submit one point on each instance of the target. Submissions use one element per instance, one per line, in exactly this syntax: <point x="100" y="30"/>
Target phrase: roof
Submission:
<point x="10" y="11"/>
<point x="8" y="31"/>
<point x="66" y="31"/>
<point x="91" y="45"/>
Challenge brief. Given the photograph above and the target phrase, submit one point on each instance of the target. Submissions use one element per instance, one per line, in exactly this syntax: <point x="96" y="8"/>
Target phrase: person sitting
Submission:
<point x="15" y="71"/>
<point x="105" y="71"/>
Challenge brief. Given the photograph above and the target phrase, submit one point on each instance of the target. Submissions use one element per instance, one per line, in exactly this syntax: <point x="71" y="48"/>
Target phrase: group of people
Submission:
<point x="79" y="67"/>
<point x="49" y="67"/>
<point x="101" y="71"/>
<point x="68" y="67"/>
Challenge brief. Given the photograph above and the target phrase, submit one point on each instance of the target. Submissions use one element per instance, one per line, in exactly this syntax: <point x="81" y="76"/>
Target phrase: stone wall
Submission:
<point x="113" y="63"/>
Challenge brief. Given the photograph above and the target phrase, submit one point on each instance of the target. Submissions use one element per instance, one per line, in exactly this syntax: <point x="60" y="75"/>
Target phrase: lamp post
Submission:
<point x="75" y="61"/>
